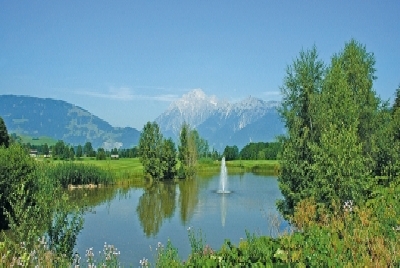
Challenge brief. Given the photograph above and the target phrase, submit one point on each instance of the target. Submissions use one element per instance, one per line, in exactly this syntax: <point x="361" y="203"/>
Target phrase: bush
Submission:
<point x="18" y="174"/>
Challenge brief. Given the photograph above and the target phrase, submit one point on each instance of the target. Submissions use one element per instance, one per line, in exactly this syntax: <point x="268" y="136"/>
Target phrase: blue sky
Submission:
<point x="126" y="61"/>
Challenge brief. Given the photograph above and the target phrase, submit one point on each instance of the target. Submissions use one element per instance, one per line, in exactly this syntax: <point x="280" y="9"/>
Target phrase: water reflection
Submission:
<point x="156" y="204"/>
<point x="188" y="199"/>
<point x="223" y="209"/>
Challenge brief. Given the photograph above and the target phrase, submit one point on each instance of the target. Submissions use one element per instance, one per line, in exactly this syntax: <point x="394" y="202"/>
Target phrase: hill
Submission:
<point x="59" y="120"/>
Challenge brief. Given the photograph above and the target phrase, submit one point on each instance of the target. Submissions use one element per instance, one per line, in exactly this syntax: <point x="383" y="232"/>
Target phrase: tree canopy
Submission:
<point x="157" y="155"/>
<point x="338" y="136"/>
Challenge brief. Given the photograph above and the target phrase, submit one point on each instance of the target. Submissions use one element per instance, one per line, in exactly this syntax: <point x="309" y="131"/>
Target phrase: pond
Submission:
<point x="136" y="219"/>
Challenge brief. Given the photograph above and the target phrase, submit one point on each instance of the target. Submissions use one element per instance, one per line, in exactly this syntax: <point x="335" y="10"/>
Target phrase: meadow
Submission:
<point x="127" y="169"/>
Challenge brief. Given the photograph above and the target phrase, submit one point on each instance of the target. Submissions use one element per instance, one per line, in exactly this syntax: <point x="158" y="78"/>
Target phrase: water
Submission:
<point x="136" y="219"/>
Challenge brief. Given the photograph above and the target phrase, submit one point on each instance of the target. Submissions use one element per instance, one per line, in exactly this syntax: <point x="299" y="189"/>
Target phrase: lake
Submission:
<point x="136" y="219"/>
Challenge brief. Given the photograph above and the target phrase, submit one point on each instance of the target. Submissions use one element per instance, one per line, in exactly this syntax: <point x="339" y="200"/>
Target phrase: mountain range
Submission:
<point x="220" y="122"/>
<point x="223" y="123"/>
<point x="60" y="120"/>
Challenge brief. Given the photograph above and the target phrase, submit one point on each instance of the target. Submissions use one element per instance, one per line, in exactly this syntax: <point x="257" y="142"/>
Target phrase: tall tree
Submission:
<point x="302" y="85"/>
<point x="150" y="151"/>
<point x="88" y="149"/>
<point x="46" y="150"/>
<point x="358" y="67"/>
<point x="168" y="159"/>
<point x="187" y="151"/>
<point x="79" y="151"/>
<point x="339" y="167"/>
<point x="4" y="138"/>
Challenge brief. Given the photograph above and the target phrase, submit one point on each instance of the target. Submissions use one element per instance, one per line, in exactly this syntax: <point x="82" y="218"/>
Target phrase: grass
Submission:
<point x="270" y="167"/>
<point x="130" y="170"/>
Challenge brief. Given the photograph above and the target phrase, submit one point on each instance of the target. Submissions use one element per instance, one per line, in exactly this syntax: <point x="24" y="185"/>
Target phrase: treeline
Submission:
<point x="253" y="151"/>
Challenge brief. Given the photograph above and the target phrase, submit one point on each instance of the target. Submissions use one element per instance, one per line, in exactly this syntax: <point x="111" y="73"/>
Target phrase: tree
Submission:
<point x="71" y="153"/>
<point x="168" y="159"/>
<point x="60" y="150"/>
<point x="101" y="154"/>
<point x="187" y="151"/>
<point x="338" y="135"/>
<point x="358" y="68"/>
<point x="88" y="149"/>
<point x="79" y="151"/>
<point x="231" y="153"/>
<point x="156" y="155"/>
<point x="46" y="150"/>
<point x="4" y="138"/>
<point x="302" y="84"/>
<point x="339" y="170"/>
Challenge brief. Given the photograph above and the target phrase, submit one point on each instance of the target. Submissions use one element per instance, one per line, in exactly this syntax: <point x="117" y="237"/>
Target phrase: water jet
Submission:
<point x="223" y="179"/>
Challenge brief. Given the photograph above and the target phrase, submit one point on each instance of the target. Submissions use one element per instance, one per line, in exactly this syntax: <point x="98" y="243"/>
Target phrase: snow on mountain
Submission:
<point x="223" y="123"/>
<point x="193" y="108"/>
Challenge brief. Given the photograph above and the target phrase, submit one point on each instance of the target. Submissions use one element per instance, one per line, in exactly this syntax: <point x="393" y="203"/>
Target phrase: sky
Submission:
<point x="127" y="61"/>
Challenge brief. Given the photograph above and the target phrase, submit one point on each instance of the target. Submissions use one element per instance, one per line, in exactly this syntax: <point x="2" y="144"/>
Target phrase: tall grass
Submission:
<point x="70" y="173"/>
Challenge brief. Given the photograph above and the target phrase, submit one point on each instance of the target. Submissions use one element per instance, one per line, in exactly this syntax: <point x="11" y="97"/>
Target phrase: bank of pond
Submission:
<point x="130" y="221"/>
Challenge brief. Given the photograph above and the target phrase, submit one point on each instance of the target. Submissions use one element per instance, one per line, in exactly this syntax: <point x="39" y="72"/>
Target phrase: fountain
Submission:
<point x="223" y="179"/>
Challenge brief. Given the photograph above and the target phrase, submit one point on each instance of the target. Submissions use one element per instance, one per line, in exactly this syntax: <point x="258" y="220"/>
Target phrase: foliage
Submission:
<point x="4" y="138"/>
<point x="166" y="256"/>
<point x="101" y="154"/>
<point x="18" y="179"/>
<point x="79" y="151"/>
<point x="27" y="195"/>
<point x="88" y="149"/>
<point x="260" y="151"/>
<point x="62" y="151"/>
<point x="66" y="223"/>
<point x="338" y="132"/>
<point x="188" y="151"/>
<point x="231" y="152"/>
<point x="158" y="156"/>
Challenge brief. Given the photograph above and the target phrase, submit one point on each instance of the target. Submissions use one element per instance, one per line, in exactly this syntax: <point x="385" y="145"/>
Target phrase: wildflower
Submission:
<point x="348" y="205"/>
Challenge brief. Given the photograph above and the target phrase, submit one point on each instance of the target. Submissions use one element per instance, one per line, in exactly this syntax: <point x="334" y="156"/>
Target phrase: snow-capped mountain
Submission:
<point x="193" y="108"/>
<point x="223" y="123"/>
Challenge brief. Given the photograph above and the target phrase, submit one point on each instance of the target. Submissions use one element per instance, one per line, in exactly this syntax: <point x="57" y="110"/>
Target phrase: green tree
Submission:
<point x="71" y="153"/>
<point x="168" y="159"/>
<point x="4" y="138"/>
<point x="151" y="152"/>
<point x="338" y="133"/>
<point x="88" y="149"/>
<point x="231" y="153"/>
<point x="61" y="150"/>
<point x="339" y="168"/>
<point x="79" y="151"/>
<point x="45" y="149"/>
<point x="101" y="154"/>
<point x="187" y="151"/>
<point x="358" y="67"/>
<point x="302" y="84"/>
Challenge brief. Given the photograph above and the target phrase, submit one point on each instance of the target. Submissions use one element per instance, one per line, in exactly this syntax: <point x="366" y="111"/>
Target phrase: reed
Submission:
<point x="70" y="173"/>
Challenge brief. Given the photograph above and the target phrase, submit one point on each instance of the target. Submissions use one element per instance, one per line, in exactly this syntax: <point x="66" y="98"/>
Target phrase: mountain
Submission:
<point x="62" y="121"/>
<point x="222" y="123"/>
